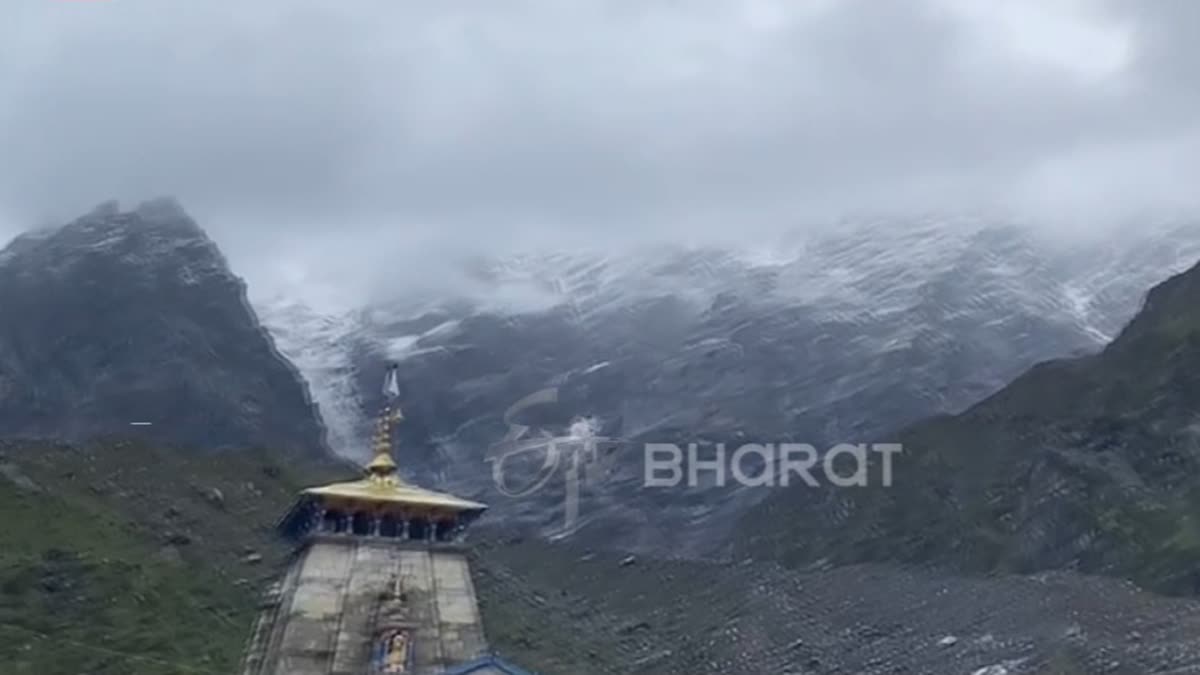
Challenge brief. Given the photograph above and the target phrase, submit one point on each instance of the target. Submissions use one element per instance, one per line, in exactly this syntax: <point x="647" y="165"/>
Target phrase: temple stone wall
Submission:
<point x="329" y="610"/>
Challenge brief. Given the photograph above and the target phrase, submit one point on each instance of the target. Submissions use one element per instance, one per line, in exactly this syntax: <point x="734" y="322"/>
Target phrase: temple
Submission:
<point x="379" y="583"/>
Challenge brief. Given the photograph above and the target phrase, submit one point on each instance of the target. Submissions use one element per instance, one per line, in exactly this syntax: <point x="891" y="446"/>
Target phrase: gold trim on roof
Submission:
<point x="382" y="465"/>
<point x="368" y="490"/>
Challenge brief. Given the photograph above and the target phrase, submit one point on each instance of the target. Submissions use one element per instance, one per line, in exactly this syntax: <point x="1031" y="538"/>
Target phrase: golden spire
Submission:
<point x="383" y="468"/>
<point x="382" y="484"/>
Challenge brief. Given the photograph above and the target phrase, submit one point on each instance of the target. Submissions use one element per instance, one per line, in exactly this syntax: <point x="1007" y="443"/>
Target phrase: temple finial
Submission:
<point x="383" y="467"/>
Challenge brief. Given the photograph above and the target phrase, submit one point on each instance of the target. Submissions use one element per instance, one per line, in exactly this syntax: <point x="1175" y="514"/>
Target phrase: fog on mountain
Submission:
<point x="342" y="336"/>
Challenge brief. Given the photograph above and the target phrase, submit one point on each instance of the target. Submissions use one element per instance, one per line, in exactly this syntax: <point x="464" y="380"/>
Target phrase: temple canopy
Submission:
<point x="381" y="502"/>
<point x="369" y="490"/>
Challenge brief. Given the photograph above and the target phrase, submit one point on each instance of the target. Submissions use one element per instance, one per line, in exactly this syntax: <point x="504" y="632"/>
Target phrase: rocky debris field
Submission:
<point x="653" y="616"/>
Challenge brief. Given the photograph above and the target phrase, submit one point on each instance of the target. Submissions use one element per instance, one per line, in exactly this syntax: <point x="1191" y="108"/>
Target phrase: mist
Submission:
<point x="321" y="142"/>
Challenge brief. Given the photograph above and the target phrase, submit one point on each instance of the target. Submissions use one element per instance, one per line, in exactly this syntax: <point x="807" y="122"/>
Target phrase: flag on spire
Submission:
<point x="391" y="383"/>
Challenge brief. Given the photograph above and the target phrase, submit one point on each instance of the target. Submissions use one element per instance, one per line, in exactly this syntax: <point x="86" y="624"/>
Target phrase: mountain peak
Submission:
<point x="162" y="208"/>
<point x="156" y="239"/>
<point x="134" y="316"/>
<point x="106" y="209"/>
<point x="163" y="216"/>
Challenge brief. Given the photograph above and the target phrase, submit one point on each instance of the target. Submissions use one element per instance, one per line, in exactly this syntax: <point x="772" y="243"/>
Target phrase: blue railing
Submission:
<point x="489" y="661"/>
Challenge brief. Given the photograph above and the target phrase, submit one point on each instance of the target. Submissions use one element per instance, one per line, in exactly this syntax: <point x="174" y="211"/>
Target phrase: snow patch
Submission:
<point x="401" y="347"/>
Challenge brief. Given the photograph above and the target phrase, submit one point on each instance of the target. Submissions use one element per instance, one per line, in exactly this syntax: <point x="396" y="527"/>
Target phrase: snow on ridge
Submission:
<point x="155" y="234"/>
<point x="320" y="346"/>
<point x="992" y="272"/>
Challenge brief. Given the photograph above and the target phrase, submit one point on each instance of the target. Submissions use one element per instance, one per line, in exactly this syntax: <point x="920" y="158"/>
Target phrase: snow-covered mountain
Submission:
<point x="823" y="338"/>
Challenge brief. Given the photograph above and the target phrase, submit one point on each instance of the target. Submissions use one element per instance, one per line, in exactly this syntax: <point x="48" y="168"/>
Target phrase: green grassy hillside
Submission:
<point x="129" y="560"/>
<point x="124" y="559"/>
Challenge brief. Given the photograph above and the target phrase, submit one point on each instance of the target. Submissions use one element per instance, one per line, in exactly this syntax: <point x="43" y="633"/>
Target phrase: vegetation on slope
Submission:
<point x="125" y="559"/>
<point x="128" y="559"/>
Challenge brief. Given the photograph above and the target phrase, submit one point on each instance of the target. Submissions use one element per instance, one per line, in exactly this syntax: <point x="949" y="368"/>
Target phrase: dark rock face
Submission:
<point x="123" y="317"/>
<point x="1090" y="463"/>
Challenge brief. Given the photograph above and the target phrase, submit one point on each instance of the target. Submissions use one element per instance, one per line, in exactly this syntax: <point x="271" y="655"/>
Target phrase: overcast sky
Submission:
<point x="381" y="121"/>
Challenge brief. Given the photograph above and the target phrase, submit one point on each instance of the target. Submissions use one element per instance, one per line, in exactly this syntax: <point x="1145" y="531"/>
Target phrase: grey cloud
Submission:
<point x="486" y="121"/>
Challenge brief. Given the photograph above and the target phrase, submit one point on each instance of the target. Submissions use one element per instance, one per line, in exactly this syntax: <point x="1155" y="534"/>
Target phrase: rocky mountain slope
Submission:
<point x="821" y="339"/>
<point x="134" y="316"/>
<point x="1088" y="463"/>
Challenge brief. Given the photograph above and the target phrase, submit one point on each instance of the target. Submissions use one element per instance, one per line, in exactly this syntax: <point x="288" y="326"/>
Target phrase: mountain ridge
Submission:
<point x="1086" y="463"/>
<point x="107" y="322"/>
<point x="831" y="340"/>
